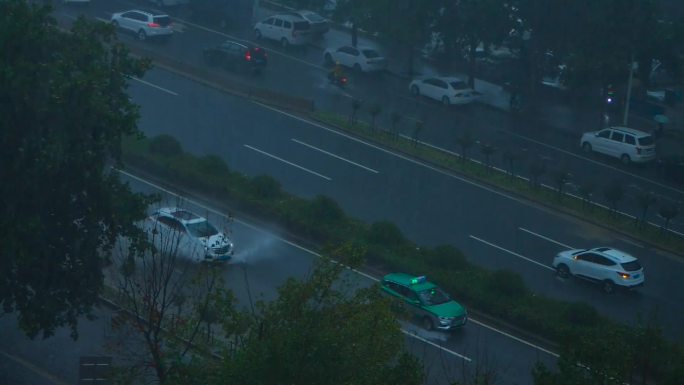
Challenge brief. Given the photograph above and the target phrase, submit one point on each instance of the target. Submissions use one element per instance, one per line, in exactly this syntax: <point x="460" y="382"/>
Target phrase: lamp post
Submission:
<point x="629" y="89"/>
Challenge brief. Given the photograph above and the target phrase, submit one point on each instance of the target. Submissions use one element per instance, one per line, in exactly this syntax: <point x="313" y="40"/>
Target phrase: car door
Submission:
<point x="267" y="28"/>
<point x="601" y="141"/>
<point x="127" y="20"/>
<point x="604" y="269"/>
<point x="276" y="30"/>
<point x="429" y="88"/>
<point x="616" y="143"/>
<point x="351" y="56"/>
<point x="439" y="89"/>
<point x="583" y="264"/>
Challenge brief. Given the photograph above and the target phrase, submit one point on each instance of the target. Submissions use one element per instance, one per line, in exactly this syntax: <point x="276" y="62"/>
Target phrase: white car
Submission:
<point x="143" y="24"/>
<point x="361" y="59"/>
<point x="607" y="266"/>
<point x="175" y="230"/>
<point x="286" y="29"/>
<point x="448" y="90"/>
<point x="627" y="144"/>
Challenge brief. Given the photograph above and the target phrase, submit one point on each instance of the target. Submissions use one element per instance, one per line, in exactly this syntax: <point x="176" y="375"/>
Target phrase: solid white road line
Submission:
<point x="334" y="156"/>
<point x="522" y="341"/>
<point x="419" y="338"/>
<point x="545" y="238"/>
<point x="512" y="253"/>
<point x="287" y="162"/>
<point x="304" y="249"/>
<point x="153" y="85"/>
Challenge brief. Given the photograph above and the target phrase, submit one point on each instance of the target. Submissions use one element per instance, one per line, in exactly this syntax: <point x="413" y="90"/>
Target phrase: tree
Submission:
<point x="171" y="298"/>
<point x="614" y="192"/>
<point x="351" y="334"/>
<point x="586" y="191"/>
<point x="374" y="111"/>
<point x="63" y="112"/>
<point x="417" y="130"/>
<point x="487" y="150"/>
<point x="395" y="118"/>
<point x="645" y="199"/>
<point x="356" y="106"/>
<point x="466" y="24"/>
<point x="562" y="177"/>
<point x="465" y="141"/>
<point x="668" y="212"/>
<point x="537" y="169"/>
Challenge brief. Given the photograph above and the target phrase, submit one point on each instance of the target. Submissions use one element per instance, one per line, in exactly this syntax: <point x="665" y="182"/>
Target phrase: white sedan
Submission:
<point x="448" y="90"/>
<point x="361" y="59"/>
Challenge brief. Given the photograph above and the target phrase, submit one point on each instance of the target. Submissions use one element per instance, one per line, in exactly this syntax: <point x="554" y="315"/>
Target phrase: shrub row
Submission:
<point x="501" y="293"/>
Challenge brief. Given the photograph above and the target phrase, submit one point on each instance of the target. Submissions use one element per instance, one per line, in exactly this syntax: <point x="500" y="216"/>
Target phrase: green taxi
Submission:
<point x="430" y="304"/>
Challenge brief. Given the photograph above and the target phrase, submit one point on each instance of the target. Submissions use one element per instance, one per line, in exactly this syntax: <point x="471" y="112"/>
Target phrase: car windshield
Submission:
<point x="631" y="266"/>
<point x="162" y="20"/>
<point x="434" y="296"/>
<point x="370" y="54"/>
<point x="646" y="141"/>
<point x="458" y="85"/>
<point x="201" y="229"/>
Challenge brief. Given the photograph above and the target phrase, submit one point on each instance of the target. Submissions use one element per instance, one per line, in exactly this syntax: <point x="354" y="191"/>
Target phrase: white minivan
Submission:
<point x="285" y="29"/>
<point x="627" y="144"/>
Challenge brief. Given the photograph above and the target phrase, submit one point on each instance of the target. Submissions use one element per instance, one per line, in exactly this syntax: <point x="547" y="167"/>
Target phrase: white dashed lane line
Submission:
<point x="512" y="253"/>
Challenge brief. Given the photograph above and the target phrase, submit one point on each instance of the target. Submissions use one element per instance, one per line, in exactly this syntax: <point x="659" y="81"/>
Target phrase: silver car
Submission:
<point x="143" y="23"/>
<point x="187" y="235"/>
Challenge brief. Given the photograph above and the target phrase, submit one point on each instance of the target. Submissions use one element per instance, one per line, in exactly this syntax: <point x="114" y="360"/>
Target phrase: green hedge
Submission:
<point x="501" y="293"/>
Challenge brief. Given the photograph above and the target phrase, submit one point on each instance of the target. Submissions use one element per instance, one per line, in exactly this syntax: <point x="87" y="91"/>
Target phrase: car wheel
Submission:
<point x="357" y="68"/>
<point x="445" y="100"/>
<point x="427" y="324"/>
<point x="142" y="35"/>
<point x="284" y="43"/>
<point x="257" y="34"/>
<point x="608" y="286"/>
<point x="586" y="147"/>
<point x="415" y="91"/>
<point x="563" y="271"/>
<point x="328" y="59"/>
<point x="625" y="159"/>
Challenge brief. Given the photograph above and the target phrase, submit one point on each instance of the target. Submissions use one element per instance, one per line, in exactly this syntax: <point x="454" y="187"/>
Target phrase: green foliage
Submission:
<point x="63" y="112"/>
<point x="165" y="145"/>
<point x="385" y="233"/>
<point x="581" y="314"/>
<point x="351" y="338"/>
<point x="507" y="284"/>
<point x="445" y="257"/>
<point x="266" y="187"/>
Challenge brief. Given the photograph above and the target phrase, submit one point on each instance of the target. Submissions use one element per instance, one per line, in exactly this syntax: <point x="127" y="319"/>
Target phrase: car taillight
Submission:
<point x="153" y="25"/>
<point x="623" y="275"/>
<point x="248" y="56"/>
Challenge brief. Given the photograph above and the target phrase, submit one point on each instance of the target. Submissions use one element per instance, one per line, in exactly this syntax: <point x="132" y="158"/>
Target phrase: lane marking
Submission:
<point x="613" y="168"/>
<point x="285" y="161"/>
<point x="438" y="346"/>
<point x="512" y="253"/>
<point x="623" y="239"/>
<point x="334" y="156"/>
<point x="315" y="254"/>
<point x="33" y="368"/>
<point x="545" y="238"/>
<point x="522" y="341"/>
<point x="152" y="85"/>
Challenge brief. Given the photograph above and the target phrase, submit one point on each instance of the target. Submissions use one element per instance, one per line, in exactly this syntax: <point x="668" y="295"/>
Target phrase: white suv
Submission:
<point x="627" y="144"/>
<point x="286" y="29"/>
<point x="174" y="230"/>
<point x="610" y="267"/>
<point x="144" y="23"/>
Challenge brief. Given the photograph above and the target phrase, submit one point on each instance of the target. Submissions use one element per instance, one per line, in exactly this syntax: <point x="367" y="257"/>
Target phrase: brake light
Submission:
<point x="153" y="25"/>
<point x="248" y="56"/>
<point x="623" y="275"/>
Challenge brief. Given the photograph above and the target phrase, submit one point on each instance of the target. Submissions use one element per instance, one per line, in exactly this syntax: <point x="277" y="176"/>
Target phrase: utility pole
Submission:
<point x="629" y="89"/>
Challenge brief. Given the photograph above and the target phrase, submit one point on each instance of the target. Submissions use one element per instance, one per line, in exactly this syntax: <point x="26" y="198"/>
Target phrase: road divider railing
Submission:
<point x="500" y="294"/>
<point x="225" y="83"/>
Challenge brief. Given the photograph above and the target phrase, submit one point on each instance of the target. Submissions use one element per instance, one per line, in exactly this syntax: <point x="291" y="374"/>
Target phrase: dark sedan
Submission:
<point x="236" y="56"/>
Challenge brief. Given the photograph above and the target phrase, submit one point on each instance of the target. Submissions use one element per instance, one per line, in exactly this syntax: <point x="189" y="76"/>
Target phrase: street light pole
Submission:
<point x="629" y="89"/>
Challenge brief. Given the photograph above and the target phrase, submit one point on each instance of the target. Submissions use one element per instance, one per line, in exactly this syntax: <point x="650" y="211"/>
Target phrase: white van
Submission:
<point x="285" y="29"/>
<point x="627" y="144"/>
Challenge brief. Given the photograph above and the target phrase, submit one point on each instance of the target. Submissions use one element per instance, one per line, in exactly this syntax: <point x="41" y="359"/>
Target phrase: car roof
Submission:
<point x="182" y="215"/>
<point x="405" y="280"/>
<point x="615" y="254"/>
<point x="631" y="131"/>
<point x="153" y="12"/>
